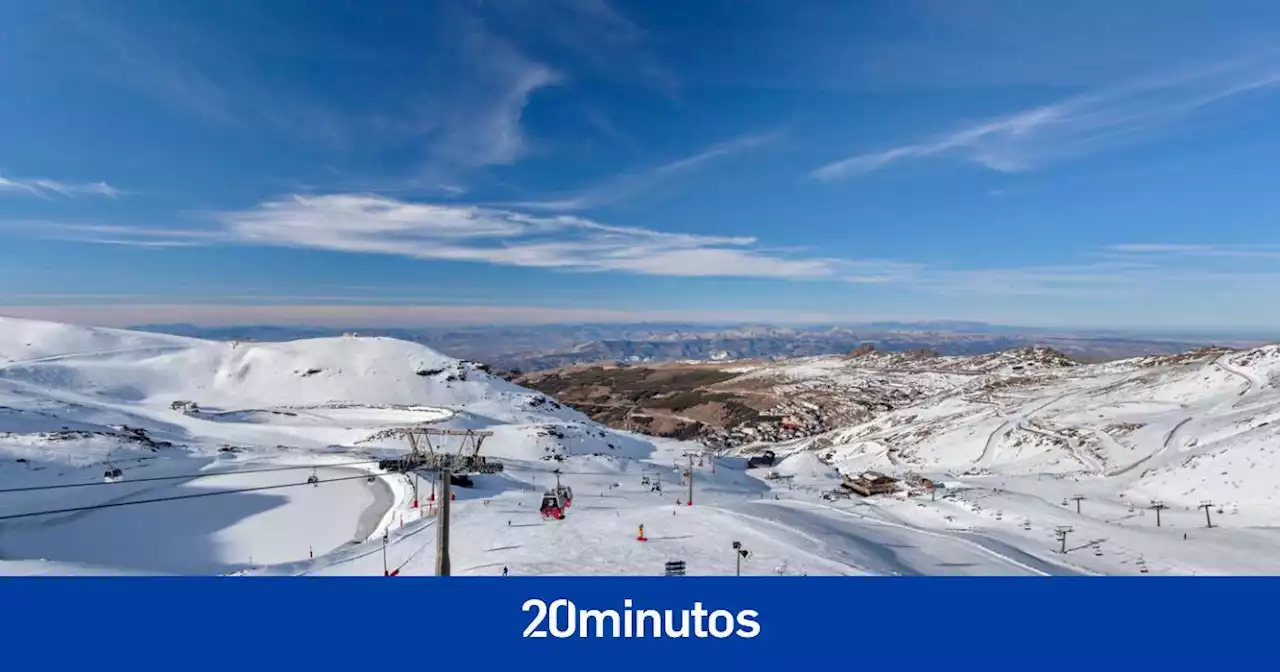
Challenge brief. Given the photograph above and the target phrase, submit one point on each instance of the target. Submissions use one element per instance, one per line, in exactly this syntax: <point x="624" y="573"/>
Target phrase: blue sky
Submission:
<point x="1086" y="164"/>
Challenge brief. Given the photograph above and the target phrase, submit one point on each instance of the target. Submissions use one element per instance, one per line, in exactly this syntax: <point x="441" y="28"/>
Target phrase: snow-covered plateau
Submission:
<point x="226" y="436"/>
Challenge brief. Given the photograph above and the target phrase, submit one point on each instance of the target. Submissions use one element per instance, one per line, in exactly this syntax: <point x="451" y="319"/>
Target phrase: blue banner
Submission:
<point x="634" y="623"/>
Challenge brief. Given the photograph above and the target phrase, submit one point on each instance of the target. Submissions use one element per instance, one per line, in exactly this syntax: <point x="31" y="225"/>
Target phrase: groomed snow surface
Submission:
<point x="76" y="401"/>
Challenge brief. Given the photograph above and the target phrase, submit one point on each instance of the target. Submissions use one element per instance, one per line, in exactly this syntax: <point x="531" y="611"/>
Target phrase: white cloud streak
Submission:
<point x="370" y="224"/>
<point x="488" y="132"/>
<point x="373" y="224"/>
<point x="399" y="315"/>
<point x="463" y="109"/>
<point x="1199" y="250"/>
<point x="1075" y="126"/>
<point x="45" y="188"/>
<point x="632" y="185"/>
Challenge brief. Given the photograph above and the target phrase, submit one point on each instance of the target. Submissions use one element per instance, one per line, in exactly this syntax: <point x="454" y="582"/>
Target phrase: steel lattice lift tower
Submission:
<point x="423" y="456"/>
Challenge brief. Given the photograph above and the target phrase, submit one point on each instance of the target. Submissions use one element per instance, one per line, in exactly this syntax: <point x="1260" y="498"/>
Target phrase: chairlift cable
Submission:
<point x="108" y="505"/>
<point x="149" y="479"/>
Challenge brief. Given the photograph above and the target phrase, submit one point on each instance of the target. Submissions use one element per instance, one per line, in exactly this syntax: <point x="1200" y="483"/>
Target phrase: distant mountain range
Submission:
<point x="531" y="348"/>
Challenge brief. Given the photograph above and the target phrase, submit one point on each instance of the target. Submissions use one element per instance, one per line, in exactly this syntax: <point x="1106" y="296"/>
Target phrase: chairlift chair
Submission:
<point x="112" y="474"/>
<point x="313" y="479"/>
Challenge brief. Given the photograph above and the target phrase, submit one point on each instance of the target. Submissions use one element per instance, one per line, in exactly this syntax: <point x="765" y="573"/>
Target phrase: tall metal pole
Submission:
<point x="738" y="556"/>
<point x="385" y="570"/>
<point x="1062" y="532"/>
<point x="690" y="502"/>
<point x="1206" y="506"/>
<point x="442" y="531"/>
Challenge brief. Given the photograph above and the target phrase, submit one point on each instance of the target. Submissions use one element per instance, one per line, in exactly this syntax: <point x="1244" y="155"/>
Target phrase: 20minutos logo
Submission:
<point x="562" y="618"/>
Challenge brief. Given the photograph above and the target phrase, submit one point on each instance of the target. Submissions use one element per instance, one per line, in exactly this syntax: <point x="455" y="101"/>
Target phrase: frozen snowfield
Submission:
<point x="77" y="401"/>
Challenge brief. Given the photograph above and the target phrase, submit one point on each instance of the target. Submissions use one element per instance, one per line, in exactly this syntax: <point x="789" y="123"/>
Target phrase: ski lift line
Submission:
<point x="373" y="551"/>
<point x="420" y="549"/>
<point x="149" y="479"/>
<point x="197" y="495"/>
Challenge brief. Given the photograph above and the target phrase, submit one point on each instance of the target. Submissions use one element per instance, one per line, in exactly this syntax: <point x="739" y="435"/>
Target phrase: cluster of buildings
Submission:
<point x="185" y="407"/>
<point x="872" y="483"/>
<point x="784" y="422"/>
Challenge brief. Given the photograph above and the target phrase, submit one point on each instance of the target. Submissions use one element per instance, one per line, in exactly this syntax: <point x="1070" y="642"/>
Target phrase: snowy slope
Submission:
<point x="1184" y="430"/>
<point x="76" y="402"/>
<point x="1013" y="434"/>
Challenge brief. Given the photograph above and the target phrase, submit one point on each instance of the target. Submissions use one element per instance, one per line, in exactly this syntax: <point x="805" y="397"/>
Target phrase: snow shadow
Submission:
<point x="172" y="537"/>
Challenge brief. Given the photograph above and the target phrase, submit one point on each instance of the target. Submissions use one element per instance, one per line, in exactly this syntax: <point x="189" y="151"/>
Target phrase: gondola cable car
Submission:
<point x="113" y="473"/>
<point x="553" y="505"/>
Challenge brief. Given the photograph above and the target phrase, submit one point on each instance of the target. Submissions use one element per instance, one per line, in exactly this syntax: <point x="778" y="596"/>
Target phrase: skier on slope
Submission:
<point x="504" y="571"/>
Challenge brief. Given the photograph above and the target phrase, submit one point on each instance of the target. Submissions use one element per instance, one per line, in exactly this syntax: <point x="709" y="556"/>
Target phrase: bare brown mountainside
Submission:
<point x="747" y="401"/>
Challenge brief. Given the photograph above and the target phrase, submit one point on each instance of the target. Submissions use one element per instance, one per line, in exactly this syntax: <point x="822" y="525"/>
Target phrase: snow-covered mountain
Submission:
<point x="1022" y="433"/>
<point x="183" y="418"/>
<point x="218" y="430"/>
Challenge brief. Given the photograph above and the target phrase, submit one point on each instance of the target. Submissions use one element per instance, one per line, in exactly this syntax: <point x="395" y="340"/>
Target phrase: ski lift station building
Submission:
<point x="870" y="483"/>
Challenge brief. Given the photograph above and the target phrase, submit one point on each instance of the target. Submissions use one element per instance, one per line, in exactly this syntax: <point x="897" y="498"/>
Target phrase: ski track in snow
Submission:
<point x="1018" y="420"/>
<point x="91" y="354"/>
<point x="1164" y="448"/>
<point x="1254" y="382"/>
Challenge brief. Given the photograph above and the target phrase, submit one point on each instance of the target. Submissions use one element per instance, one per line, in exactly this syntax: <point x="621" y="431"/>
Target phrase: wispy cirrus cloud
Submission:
<point x="372" y="224"/>
<point x="1198" y="250"/>
<point x="1076" y="126"/>
<point x="633" y="184"/>
<point x="592" y="35"/>
<point x="46" y="188"/>
<point x="464" y="110"/>
<point x="125" y="313"/>
<point x="489" y="132"/>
